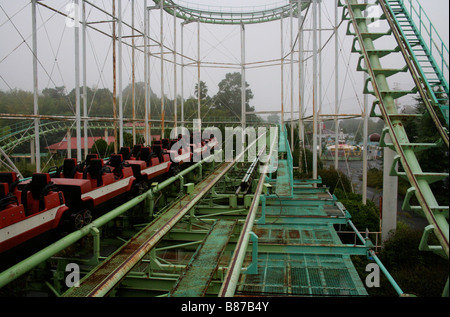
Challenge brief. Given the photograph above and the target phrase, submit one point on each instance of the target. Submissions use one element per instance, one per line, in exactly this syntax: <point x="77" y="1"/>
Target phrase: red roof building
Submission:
<point x="63" y="145"/>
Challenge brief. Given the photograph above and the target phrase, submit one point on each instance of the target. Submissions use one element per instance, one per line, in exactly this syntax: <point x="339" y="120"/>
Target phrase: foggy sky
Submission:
<point x="218" y="44"/>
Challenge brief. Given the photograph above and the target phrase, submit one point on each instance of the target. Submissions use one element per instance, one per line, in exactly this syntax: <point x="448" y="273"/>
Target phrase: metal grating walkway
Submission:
<point x="303" y="275"/>
<point x="299" y="250"/>
<point x="198" y="274"/>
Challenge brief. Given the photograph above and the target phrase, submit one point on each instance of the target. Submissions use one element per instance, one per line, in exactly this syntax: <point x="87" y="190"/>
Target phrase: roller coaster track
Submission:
<point x="420" y="181"/>
<point x="109" y="274"/>
<point x="295" y="249"/>
<point x="223" y="15"/>
<point x="428" y="93"/>
<point x="430" y="60"/>
<point x="24" y="132"/>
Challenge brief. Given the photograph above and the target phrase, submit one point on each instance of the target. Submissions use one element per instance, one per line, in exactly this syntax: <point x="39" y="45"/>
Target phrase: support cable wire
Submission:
<point x="26" y="43"/>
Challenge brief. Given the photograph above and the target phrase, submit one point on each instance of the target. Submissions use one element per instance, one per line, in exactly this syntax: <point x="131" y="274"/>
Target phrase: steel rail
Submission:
<point x="230" y="282"/>
<point x="28" y="264"/>
<point x="398" y="133"/>
<point x="414" y="69"/>
<point x="112" y="278"/>
<point x="219" y="17"/>
<point x="116" y="275"/>
<point x="229" y="285"/>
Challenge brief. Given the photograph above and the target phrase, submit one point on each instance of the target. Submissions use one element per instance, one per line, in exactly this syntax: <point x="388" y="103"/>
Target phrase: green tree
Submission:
<point x="420" y="273"/>
<point x="203" y="90"/>
<point x="229" y="95"/>
<point x="434" y="159"/>
<point x="128" y="139"/>
<point x="100" y="147"/>
<point x="273" y="118"/>
<point x="335" y="179"/>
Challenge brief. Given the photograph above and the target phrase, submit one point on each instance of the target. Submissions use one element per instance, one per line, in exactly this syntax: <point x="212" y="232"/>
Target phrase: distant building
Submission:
<point x="64" y="144"/>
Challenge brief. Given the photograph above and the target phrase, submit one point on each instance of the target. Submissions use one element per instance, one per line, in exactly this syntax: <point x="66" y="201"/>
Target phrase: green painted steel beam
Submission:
<point x="386" y="101"/>
<point x="304" y="220"/>
<point x="142" y="243"/>
<point x="25" y="133"/>
<point x="224" y="15"/>
<point x="233" y="273"/>
<point x="433" y="55"/>
<point x="28" y="264"/>
<point x="303" y="202"/>
<point x="194" y="281"/>
<point x="428" y="94"/>
<point x="387" y="274"/>
<point x="335" y="249"/>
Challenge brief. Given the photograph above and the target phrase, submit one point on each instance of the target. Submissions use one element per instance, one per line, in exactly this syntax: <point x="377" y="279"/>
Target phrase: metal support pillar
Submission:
<point x="106" y="135"/>
<point x="37" y="145"/>
<point x="390" y="196"/>
<point x="198" y="73"/>
<point x="182" y="74"/>
<point x="133" y="75"/>
<point x="365" y="136"/>
<point x="162" y="66"/>
<point x="146" y="74"/>
<point x="119" y="29"/>
<point x="315" y="86"/>
<point x="300" y="88"/>
<point x="243" y="86"/>
<point x="77" y="82"/>
<point x="400" y="142"/>
<point x="365" y="145"/>
<point x="175" y="89"/>
<point x="291" y="21"/>
<point x="114" y="74"/>
<point x="282" y="72"/>
<point x="336" y="85"/>
<point x="32" y="151"/>
<point x="69" y="143"/>
<point x="85" y="111"/>
<point x="320" y="92"/>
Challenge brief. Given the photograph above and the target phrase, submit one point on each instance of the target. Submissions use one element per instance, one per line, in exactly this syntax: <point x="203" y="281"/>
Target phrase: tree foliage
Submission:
<point x="335" y="179"/>
<point x="417" y="272"/>
<point x="435" y="159"/>
<point x="203" y="90"/>
<point x="230" y="93"/>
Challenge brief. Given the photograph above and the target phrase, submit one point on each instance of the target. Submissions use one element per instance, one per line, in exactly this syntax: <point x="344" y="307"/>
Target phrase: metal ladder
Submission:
<point x="431" y="64"/>
<point x="406" y="150"/>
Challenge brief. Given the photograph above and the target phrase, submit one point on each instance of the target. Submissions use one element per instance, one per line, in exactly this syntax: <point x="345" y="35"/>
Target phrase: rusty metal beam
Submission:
<point x="234" y="269"/>
<point x="198" y="274"/>
<point x="108" y="274"/>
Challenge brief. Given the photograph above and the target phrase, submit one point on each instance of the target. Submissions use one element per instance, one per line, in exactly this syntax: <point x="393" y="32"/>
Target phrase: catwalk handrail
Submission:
<point x="397" y="132"/>
<point x="427" y="25"/>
